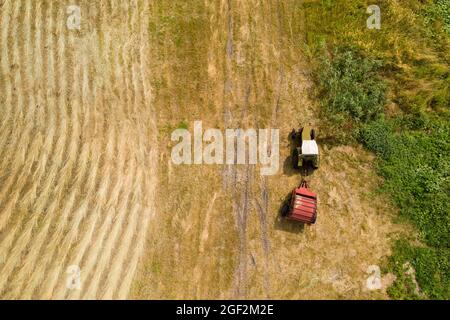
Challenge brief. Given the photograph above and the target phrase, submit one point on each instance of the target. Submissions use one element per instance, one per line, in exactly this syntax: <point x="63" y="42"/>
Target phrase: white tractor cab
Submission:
<point x="306" y="151"/>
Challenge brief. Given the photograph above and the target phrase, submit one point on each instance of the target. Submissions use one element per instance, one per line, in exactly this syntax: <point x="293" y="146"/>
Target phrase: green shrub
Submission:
<point x="377" y="136"/>
<point x="416" y="167"/>
<point x="438" y="11"/>
<point x="351" y="87"/>
<point x="432" y="272"/>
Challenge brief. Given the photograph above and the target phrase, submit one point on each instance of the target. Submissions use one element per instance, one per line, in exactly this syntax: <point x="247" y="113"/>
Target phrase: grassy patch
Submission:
<point x="437" y="16"/>
<point x="351" y="86"/>
<point x="416" y="166"/>
<point x="431" y="271"/>
<point x="351" y="91"/>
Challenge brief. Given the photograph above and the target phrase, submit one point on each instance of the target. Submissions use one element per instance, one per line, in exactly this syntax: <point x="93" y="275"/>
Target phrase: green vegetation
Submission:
<point x="437" y="13"/>
<point x="351" y="92"/>
<point x="390" y="91"/>
<point x="431" y="266"/>
<point x="182" y="125"/>
<point x="351" y="87"/>
<point x="415" y="164"/>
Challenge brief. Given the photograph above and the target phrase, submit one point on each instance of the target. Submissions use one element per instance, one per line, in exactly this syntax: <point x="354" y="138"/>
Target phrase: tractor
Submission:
<point x="302" y="203"/>
<point x="306" y="151"/>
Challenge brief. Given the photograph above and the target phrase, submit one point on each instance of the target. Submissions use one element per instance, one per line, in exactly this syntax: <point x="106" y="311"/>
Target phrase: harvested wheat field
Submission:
<point x="78" y="148"/>
<point x="86" y="177"/>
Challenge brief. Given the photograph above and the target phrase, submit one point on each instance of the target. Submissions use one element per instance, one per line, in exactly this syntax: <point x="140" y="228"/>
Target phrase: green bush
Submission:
<point x="438" y="11"/>
<point x="377" y="136"/>
<point x="351" y="87"/>
<point x="432" y="272"/>
<point x="416" y="167"/>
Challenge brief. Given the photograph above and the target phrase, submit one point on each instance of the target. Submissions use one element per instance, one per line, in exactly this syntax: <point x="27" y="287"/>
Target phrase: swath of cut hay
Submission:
<point x="77" y="141"/>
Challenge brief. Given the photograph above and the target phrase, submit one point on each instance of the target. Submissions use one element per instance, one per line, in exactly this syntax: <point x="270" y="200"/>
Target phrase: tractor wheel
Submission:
<point x="293" y="135"/>
<point x="295" y="158"/>
<point x="316" y="163"/>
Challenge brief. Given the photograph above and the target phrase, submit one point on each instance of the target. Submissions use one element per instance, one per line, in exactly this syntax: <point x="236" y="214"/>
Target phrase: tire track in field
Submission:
<point x="237" y="179"/>
<point x="262" y="202"/>
<point x="230" y="172"/>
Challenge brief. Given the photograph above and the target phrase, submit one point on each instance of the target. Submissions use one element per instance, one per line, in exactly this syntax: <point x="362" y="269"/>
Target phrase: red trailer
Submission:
<point x="303" y="205"/>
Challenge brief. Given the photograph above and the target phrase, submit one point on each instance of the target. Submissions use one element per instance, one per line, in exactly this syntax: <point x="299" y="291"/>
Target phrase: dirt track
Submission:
<point x="85" y="171"/>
